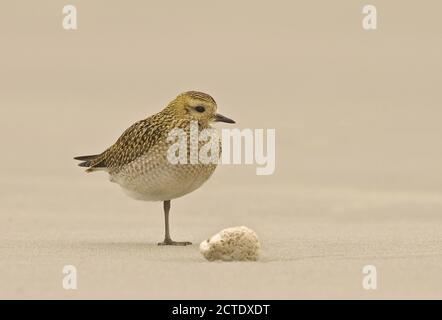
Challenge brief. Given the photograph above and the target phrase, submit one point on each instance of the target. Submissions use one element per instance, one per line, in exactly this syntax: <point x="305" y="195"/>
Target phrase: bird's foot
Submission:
<point x="169" y="242"/>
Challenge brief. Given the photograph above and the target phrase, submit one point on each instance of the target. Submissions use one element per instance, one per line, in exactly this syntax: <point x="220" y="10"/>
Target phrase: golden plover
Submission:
<point x="138" y="160"/>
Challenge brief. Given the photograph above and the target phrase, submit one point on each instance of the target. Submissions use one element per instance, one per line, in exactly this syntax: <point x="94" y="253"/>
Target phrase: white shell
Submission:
<point x="232" y="244"/>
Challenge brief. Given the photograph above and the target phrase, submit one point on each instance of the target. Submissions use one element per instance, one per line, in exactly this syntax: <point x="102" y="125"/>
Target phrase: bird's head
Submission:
<point x="197" y="106"/>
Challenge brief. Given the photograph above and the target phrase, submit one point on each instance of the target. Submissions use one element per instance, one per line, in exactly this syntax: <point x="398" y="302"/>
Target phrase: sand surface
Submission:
<point x="316" y="249"/>
<point x="357" y="117"/>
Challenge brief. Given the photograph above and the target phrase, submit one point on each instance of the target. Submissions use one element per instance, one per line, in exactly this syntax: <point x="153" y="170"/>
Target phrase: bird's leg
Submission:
<point x="167" y="240"/>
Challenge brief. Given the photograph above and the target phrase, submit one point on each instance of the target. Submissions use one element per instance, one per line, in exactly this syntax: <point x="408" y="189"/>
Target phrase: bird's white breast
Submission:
<point x="153" y="178"/>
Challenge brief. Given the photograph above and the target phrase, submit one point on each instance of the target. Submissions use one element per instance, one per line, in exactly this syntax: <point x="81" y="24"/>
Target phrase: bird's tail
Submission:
<point x="93" y="162"/>
<point x="86" y="160"/>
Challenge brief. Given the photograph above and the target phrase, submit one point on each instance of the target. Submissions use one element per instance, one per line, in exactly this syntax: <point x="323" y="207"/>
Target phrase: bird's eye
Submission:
<point x="200" y="109"/>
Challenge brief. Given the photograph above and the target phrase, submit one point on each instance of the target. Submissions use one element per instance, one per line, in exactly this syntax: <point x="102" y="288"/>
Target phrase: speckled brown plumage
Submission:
<point x="144" y="134"/>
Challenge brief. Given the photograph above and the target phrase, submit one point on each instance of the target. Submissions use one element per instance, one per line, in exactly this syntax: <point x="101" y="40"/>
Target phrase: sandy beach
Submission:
<point x="358" y="175"/>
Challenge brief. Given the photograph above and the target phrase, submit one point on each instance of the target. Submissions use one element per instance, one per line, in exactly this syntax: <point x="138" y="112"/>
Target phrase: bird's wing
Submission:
<point x="133" y="143"/>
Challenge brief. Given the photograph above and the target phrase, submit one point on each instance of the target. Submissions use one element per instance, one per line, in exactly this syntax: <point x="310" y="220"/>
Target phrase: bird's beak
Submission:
<point x="221" y="118"/>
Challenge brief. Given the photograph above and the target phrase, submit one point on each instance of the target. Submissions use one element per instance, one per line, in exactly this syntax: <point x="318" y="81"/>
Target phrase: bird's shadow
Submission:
<point x="121" y="245"/>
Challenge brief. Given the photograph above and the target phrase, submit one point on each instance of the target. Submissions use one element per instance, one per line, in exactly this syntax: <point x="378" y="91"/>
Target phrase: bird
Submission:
<point x="138" y="160"/>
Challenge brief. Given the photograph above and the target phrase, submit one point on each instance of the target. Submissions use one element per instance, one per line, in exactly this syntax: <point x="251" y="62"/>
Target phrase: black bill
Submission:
<point x="221" y="118"/>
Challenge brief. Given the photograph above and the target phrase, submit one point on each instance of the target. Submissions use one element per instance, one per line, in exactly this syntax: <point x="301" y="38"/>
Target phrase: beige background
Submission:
<point x="357" y="116"/>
